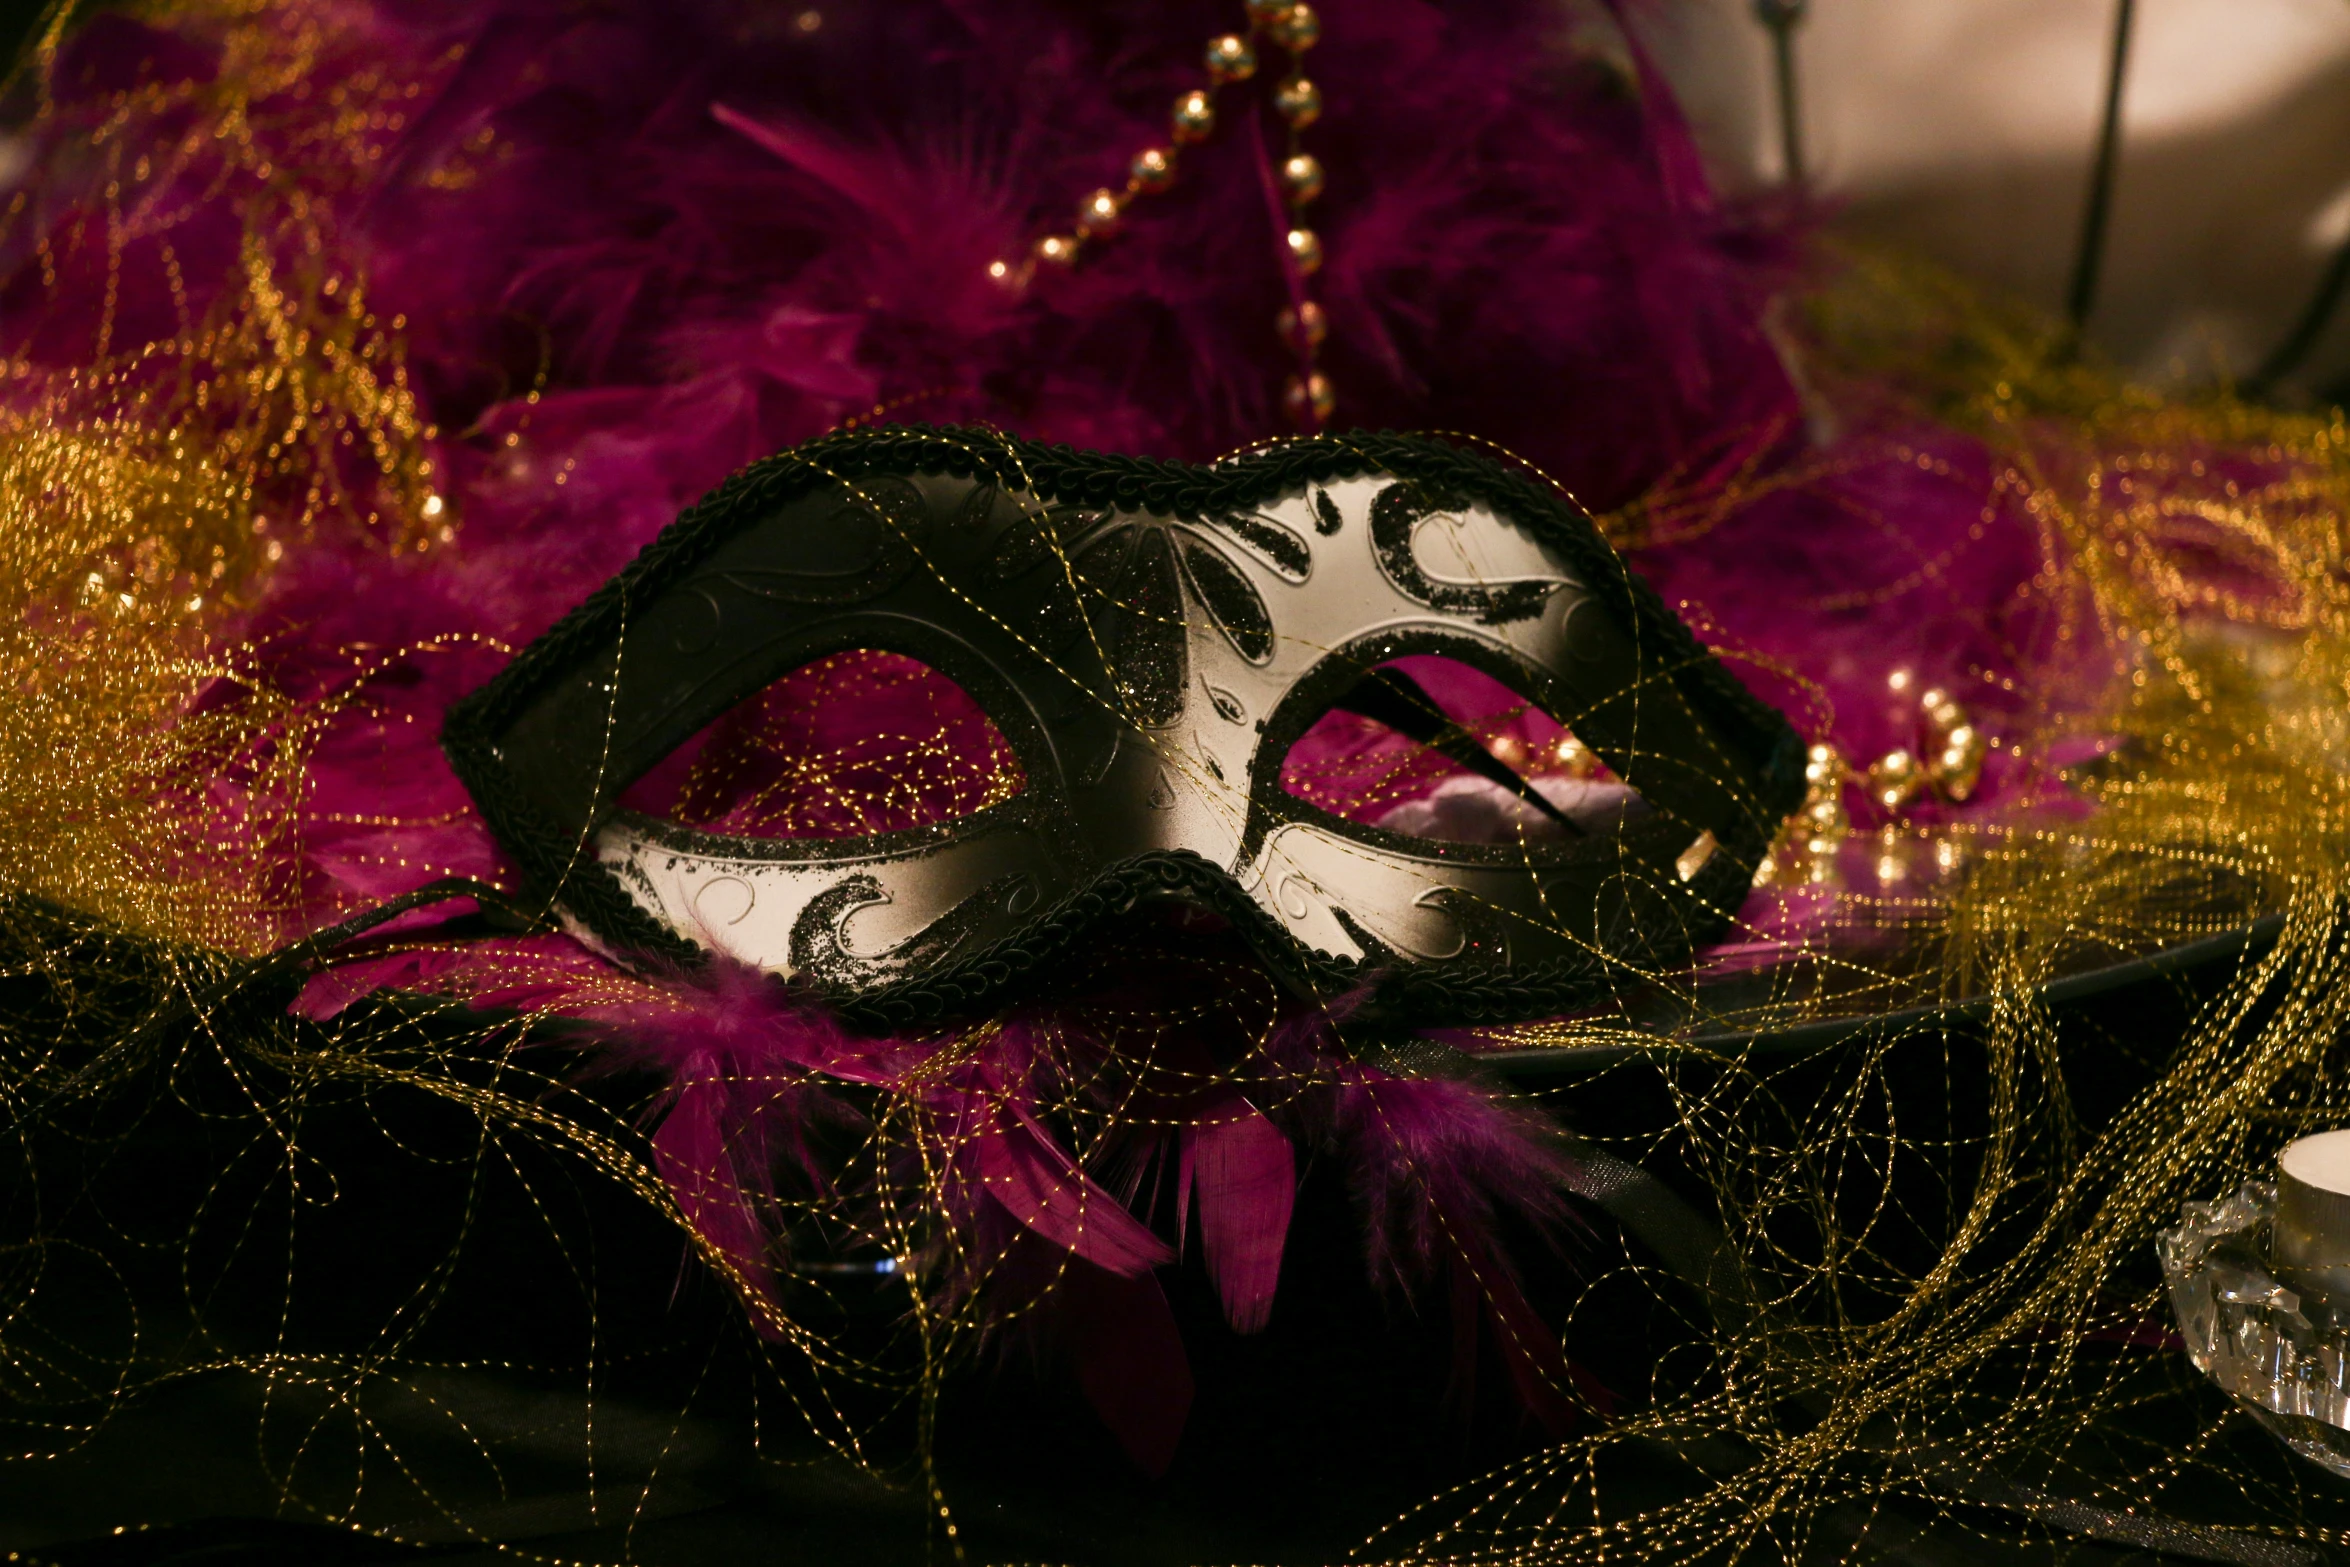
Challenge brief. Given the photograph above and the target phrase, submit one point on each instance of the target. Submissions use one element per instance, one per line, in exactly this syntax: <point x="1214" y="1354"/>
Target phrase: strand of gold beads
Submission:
<point x="1949" y="765"/>
<point x="1292" y="27"/>
<point x="1302" y="325"/>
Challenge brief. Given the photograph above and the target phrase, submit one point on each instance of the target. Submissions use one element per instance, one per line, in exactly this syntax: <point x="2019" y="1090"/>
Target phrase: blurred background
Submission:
<point x="1964" y="131"/>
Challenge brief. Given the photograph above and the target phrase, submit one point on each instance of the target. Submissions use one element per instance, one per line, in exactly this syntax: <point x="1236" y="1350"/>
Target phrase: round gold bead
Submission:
<point x="1153" y="169"/>
<point x="1895" y="779"/>
<point x="1194" y="117"/>
<point x="1295" y="28"/>
<point x="1959" y="769"/>
<point x="1302" y="177"/>
<point x="1098" y="218"/>
<point x="1299" y="102"/>
<point x="1305" y="249"/>
<point x="1309" y="399"/>
<point x="1304" y="326"/>
<point x="1230" y="59"/>
<point x="1572" y="757"/>
<point x="1057" y="250"/>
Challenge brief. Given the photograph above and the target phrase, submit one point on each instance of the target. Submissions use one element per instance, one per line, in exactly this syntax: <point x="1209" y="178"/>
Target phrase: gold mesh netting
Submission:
<point x="147" y="482"/>
<point x="1855" y="1371"/>
<point x="1893" y="1315"/>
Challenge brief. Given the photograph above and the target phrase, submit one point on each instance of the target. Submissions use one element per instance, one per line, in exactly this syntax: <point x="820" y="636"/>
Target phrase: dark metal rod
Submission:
<point x="1393" y="698"/>
<point x="2286" y="357"/>
<point x="2090" y="258"/>
<point x="1780" y="17"/>
<point x="1790" y="116"/>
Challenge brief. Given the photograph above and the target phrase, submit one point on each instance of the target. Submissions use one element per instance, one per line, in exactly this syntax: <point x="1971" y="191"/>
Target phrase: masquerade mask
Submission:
<point x="1150" y="639"/>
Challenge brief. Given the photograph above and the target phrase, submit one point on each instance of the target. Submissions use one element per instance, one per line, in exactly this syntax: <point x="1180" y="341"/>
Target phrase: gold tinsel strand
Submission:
<point x="145" y="775"/>
<point x="2201" y="541"/>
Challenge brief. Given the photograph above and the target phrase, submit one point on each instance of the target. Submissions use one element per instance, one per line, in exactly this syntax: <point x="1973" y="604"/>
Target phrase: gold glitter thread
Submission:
<point x="2193" y="554"/>
<point x="144" y="774"/>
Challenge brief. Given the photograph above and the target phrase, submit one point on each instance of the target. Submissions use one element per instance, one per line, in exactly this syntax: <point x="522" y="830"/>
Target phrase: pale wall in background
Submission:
<point x="1962" y="129"/>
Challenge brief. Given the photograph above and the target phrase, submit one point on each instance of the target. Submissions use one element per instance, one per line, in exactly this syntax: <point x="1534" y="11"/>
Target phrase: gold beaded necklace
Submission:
<point x="1293" y="28"/>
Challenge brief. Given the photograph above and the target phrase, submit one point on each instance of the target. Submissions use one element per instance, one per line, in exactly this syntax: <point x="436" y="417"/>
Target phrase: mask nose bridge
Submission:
<point x="1166" y="786"/>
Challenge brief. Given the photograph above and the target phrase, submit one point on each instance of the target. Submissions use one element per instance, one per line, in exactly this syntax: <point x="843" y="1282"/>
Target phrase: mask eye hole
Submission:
<point x="1433" y="748"/>
<point x="860" y="742"/>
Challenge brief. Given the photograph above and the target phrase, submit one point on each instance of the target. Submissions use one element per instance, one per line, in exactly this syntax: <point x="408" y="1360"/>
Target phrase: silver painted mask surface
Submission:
<point x="1150" y="662"/>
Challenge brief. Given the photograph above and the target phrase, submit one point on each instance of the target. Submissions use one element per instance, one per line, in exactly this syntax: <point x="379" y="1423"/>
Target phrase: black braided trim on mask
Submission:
<point x="1395" y="995"/>
<point x="1066" y="475"/>
<point x="1402" y="995"/>
<point x="561" y="863"/>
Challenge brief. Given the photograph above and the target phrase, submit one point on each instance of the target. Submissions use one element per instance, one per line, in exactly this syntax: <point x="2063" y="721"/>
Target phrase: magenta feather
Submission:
<point x="1246" y="1176"/>
<point x="1022" y="1169"/>
<point x="1129" y="1359"/>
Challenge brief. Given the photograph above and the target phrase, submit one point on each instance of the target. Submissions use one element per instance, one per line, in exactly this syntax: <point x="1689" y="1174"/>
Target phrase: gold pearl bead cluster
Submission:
<point x="1293" y="28"/>
<point x="1948" y="765"/>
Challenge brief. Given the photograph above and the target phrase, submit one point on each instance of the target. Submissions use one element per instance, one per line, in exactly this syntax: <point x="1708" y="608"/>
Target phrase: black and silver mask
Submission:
<point x="1150" y="638"/>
